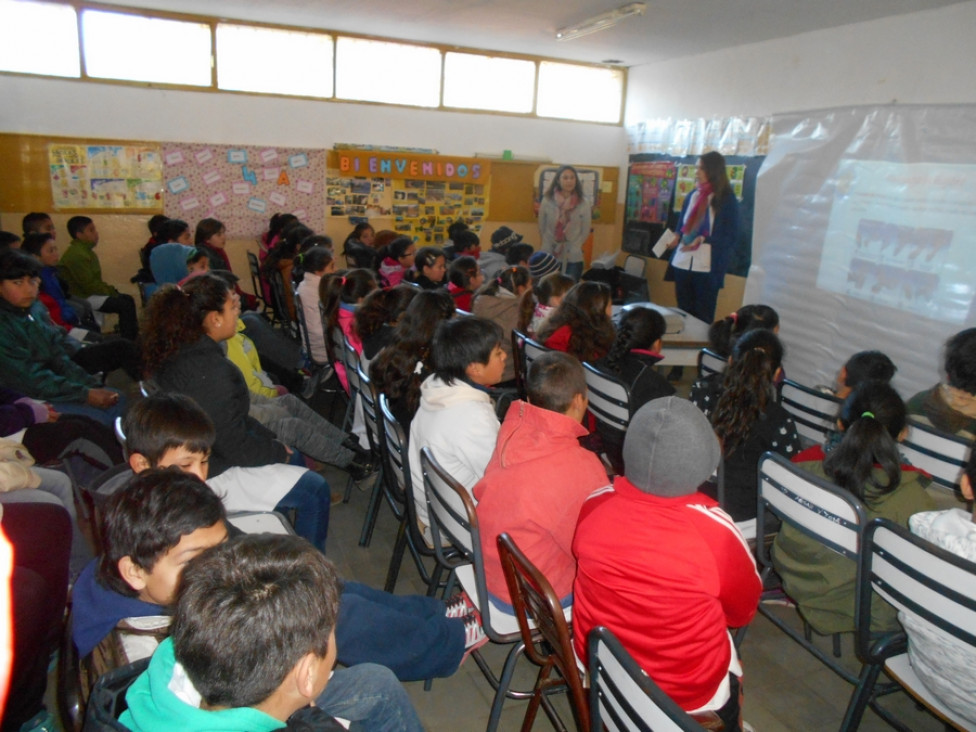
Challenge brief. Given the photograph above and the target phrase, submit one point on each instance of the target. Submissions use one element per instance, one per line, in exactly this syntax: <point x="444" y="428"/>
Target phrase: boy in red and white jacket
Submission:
<point x="664" y="568"/>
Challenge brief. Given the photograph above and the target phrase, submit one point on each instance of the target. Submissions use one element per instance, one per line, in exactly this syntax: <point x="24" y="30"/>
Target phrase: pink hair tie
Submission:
<point x="735" y="316"/>
<point x="342" y="280"/>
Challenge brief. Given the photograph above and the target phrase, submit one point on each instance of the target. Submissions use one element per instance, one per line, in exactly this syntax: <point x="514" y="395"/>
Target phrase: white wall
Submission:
<point x="919" y="58"/>
<point x="72" y="108"/>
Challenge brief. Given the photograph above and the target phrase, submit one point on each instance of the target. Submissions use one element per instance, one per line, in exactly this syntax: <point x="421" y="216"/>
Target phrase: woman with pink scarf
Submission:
<point x="708" y="230"/>
<point x="564" y="221"/>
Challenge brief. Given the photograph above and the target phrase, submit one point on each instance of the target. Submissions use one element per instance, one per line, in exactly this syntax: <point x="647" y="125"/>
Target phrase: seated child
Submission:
<point x="81" y="270"/>
<point x="950" y="406"/>
<point x="197" y="262"/>
<point x="456" y="419"/>
<point x="169" y="258"/>
<point x="542" y="264"/>
<point x="430" y="265"/>
<point x="518" y="255"/>
<point x="394" y="260"/>
<point x="723" y="334"/>
<point x="547" y="293"/>
<point x="341" y="294"/>
<point x="493" y="261"/>
<point x="377" y="317"/>
<point x="631" y="359"/>
<point x="464" y="277"/>
<point x="947" y="669"/>
<point x="211" y="237"/>
<point x="581" y="324"/>
<point x="65" y="311"/>
<point x="502" y="301"/>
<point x="195" y="678"/>
<point x="867" y="464"/>
<point x="317" y="262"/>
<point x="39" y="360"/>
<point x="663" y="567"/>
<point x="539" y="476"/>
<point x="292" y="421"/>
<point x="863" y="366"/>
<point x="743" y="408"/>
<point x="38" y="222"/>
<point x="462" y="242"/>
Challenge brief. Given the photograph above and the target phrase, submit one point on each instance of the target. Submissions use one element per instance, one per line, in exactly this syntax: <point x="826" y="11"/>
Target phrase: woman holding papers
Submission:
<point x="707" y="234"/>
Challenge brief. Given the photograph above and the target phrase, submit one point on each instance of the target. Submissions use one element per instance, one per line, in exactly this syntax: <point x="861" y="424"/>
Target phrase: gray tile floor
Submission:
<point x="785" y="687"/>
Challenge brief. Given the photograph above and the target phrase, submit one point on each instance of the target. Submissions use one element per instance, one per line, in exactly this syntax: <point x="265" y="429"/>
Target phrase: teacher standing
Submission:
<point x="710" y="216"/>
<point x="564" y="221"/>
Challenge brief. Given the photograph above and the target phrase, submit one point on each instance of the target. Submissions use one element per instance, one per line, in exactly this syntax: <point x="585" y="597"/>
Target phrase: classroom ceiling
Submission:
<point x="669" y="29"/>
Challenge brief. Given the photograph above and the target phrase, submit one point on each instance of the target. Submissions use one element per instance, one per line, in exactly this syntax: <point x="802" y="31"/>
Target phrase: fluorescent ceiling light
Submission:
<point x="600" y="22"/>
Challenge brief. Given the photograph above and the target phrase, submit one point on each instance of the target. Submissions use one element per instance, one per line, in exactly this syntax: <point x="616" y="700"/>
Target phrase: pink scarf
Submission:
<point x="566" y="205"/>
<point x="694" y="217"/>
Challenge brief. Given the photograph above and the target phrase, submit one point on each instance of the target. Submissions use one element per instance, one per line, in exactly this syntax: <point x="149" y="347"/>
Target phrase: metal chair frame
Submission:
<point x="813" y="411"/>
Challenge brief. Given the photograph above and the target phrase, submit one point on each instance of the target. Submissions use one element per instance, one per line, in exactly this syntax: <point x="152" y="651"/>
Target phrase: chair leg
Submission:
<point x="397" y="559"/>
<point x="348" y="492"/>
<point x="537" y="697"/>
<point x="373" y="511"/>
<point x="860" y="697"/>
<point x="836" y="640"/>
<point x="504" y="681"/>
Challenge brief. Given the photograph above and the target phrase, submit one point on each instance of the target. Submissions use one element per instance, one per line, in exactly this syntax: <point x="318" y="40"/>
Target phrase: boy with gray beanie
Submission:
<point x="664" y="568"/>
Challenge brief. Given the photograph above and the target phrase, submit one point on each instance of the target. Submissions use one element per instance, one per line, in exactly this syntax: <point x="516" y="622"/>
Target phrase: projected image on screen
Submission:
<point x="903" y="236"/>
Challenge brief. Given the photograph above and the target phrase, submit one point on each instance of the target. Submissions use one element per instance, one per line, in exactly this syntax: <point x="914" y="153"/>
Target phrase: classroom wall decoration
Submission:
<point x="649" y="190"/>
<point x="243" y="186"/>
<point x="105" y="176"/>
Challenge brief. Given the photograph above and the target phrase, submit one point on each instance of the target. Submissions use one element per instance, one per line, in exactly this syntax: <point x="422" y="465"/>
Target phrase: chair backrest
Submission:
<point x="518" y="356"/>
<point x="623" y="697"/>
<point x="710" y="362"/>
<point x="918" y="577"/>
<point x="302" y="327"/>
<point x="371" y="418"/>
<point x="450" y="508"/>
<point x="539" y="612"/>
<point x="634" y="265"/>
<point x="609" y="398"/>
<point x="350" y="359"/>
<point x="940" y="455"/>
<point x="814" y="412"/>
<point x="815" y="506"/>
<point x="396" y="473"/>
<point x="280" y="305"/>
<point x="254" y="266"/>
<point x="532" y="350"/>
<point x="260" y="522"/>
<point x="107" y="700"/>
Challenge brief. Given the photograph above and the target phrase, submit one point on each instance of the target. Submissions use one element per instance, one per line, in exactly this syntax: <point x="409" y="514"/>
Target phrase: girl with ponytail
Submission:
<point x="341" y="293"/>
<point x="743" y="407"/>
<point x="867" y="464"/>
<point x="632" y="357"/>
<point x="501" y="300"/>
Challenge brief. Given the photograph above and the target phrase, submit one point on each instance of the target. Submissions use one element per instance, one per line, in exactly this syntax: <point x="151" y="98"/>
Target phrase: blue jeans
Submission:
<point x="409" y="634"/>
<point x="574" y="270"/>
<point x="312" y="500"/>
<point x="105" y="416"/>
<point x="371" y="698"/>
<point x="697" y="293"/>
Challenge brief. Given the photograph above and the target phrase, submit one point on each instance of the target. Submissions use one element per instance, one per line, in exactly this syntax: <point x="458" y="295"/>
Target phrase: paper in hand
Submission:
<point x="662" y="244"/>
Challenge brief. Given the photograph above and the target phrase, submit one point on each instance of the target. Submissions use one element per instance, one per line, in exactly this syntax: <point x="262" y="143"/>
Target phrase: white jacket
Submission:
<point x="308" y="291"/>
<point x="459" y="425"/>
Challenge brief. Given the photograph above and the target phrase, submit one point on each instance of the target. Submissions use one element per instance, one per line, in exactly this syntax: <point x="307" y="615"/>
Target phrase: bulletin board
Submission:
<point x="515" y="191"/>
<point x="243" y="186"/>
<point x="105" y="176"/>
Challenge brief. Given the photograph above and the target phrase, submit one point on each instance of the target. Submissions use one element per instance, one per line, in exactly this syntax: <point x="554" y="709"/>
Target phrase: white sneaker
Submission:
<point x="459" y="606"/>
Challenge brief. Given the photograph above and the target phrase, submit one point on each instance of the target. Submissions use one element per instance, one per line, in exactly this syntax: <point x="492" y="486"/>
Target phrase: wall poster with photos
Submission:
<point x="421" y="194"/>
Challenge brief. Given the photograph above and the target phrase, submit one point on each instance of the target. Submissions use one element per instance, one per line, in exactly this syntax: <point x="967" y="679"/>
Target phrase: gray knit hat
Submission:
<point x="670" y="448"/>
<point x="541" y="264"/>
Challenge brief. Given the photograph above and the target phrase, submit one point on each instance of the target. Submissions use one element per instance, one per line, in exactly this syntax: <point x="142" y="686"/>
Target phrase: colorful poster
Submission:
<point x="243" y="186"/>
<point x="649" y="190"/>
<point x="105" y="176"/>
<point x="686" y="182"/>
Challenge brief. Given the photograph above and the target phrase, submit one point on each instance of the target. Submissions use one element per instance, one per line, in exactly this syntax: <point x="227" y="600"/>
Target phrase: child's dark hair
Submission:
<point x="316" y="240"/>
<point x="175" y="315"/>
<point x="554" y="379"/>
<point x="15" y="264"/>
<point x="147" y="518"/>
<point x="171" y="230"/>
<point x="154" y="223"/>
<point x="207" y="229"/>
<point x="723" y="333"/>
<point x="76" y="224"/>
<point x="584" y="310"/>
<point x="32" y="221"/>
<point x="383" y="307"/>
<point x="197" y="255"/>
<point x="960" y="360"/>
<point x="35" y="241"/>
<point x="8" y="239"/>
<point x="464" y="240"/>
<point x="462" y="271"/>
<point x="455" y="230"/>
<point x="347" y="287"/>
<point x="554" y="284"/>
<point x="749" y="387"/>
<point x="510" y="278"/>
<point x="316" y="259"/>
<point x="396" y="248"/>
<point x="427" y="257"/>
<point x="248" y="611"/>
<point x="868" y="366"/>
<point x="460" y="342"/>
<point x="518" y="253"/>
<point x="638" y="328"/>
<point x="873" y="416"/>
<point x="277" y="223"/>
<point x="286" y="248"/>
<point x="358" y="230"/>
<point x="394" y="370"/>
<point x="162" y="422"/>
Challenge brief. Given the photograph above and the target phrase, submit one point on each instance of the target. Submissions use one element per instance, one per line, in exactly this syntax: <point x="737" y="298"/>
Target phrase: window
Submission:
<point x="488" y="82"/>
<point x="274" y="61"/>
<point x="134" y="48"/>
<point x="394" y="73"/>
<point x="39" y="38"/>
<point x="585" y="93"/>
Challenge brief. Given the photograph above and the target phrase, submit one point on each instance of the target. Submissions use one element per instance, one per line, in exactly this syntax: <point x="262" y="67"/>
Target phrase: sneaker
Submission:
<point x="460" y="606"/>
<point x="474" y="635"/>
<point x="361" y="467"/>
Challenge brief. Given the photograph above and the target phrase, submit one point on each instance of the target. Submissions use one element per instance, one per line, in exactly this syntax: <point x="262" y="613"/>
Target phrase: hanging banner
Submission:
<point x="416" y="167"/>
